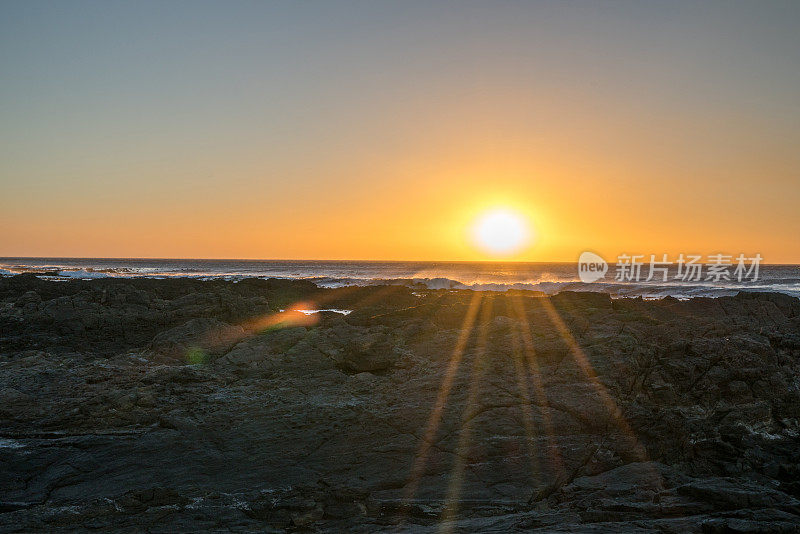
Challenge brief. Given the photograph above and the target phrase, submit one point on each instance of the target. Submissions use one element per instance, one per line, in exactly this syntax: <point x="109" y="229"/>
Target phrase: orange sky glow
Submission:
<point x="287" y="133"/>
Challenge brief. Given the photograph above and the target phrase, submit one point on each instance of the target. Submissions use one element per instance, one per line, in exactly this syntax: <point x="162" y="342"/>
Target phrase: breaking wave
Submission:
<point x="546" y="278"/>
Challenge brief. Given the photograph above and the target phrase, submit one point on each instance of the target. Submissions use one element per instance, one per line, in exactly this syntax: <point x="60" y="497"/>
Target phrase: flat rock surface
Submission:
<point x="187" y="405"/>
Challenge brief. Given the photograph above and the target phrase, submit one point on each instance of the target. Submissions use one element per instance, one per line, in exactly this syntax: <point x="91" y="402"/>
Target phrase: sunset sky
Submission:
<point x="381" y="130"/>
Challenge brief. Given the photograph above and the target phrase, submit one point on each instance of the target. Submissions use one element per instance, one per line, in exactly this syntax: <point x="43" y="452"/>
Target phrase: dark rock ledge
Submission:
<point x="182" y="405"/>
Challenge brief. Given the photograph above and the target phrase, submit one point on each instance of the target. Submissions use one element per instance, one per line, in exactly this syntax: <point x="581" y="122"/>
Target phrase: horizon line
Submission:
<point x="145" y="258"/>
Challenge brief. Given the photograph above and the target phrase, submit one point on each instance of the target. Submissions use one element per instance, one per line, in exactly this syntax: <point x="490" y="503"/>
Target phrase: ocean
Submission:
<point x="480" y="276"/>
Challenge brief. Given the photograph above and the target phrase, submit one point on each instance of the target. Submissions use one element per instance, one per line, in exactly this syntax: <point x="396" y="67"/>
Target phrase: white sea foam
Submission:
<point x="418" y="276"/>
<point x="83" y="274"/>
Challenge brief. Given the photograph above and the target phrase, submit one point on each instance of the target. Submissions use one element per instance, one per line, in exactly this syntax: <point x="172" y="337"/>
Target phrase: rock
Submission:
<point x="357" y="350"/>
<point x="12" y="401"/>
<point x="140" y="500"/>
<point x="262" y="351"/>
<point x="727" y="494"/>
<point x="195" y="338"/>
<point x="10" y="397"/>
<point x="738" y="388"/>
<point x="139" y="405"/>
<point x="752" y="522"/>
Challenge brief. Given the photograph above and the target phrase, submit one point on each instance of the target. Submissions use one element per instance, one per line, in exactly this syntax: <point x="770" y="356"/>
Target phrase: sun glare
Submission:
<point x="501" y="232"/>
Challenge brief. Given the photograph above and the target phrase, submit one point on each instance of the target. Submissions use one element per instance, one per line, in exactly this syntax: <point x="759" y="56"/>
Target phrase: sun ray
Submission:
<point x="534" y="372"/>
<point x="432" y="426"/>
<point x="586" y="367"/>
<point x="524" y="391"/>
<point x="470" y="410"/>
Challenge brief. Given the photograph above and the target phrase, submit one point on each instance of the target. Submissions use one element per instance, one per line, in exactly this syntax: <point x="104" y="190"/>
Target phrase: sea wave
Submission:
<point x="547" y="279"/>
<point x="83" y="274"/>
<point x="615" y="289"/>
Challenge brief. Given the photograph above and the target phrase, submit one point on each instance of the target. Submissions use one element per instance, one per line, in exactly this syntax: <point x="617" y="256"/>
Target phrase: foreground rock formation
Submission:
<point x="167" y="405"/>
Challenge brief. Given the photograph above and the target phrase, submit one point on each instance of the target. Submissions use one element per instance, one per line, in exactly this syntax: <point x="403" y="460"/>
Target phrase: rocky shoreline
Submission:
<point x="177" y="404"/>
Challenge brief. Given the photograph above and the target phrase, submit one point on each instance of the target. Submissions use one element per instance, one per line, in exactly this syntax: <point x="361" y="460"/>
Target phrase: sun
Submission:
<point x="501" y="231"/>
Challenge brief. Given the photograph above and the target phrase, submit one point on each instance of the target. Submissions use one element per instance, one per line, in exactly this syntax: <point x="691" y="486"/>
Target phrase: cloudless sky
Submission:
<point x="380" y="130"/>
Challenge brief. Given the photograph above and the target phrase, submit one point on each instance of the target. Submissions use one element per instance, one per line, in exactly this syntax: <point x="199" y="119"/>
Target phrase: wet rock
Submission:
<point x="729" y="494"/>
<point x="140" y="405"/>
<point x="196" y="338"/>
<point x="140" y="500"/>
<point x="357" y="350"/>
